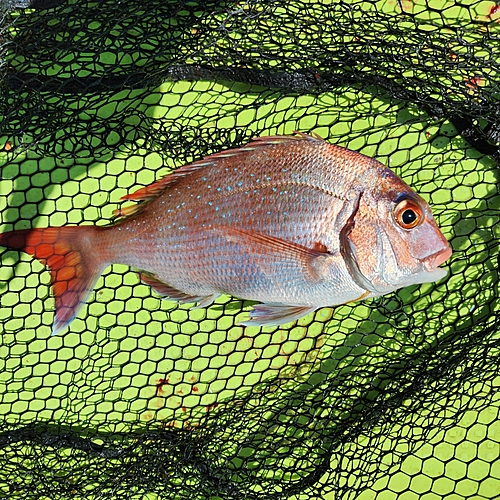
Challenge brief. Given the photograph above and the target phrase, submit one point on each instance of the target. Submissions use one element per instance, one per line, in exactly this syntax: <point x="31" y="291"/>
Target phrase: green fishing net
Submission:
<point x="395" y="397"/>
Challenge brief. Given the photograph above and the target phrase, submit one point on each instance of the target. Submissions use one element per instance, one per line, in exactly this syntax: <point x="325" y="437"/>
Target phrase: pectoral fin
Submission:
<point x="275" y="314"/>
<point x="307" y="260"/>
<point x="168" y="292"/>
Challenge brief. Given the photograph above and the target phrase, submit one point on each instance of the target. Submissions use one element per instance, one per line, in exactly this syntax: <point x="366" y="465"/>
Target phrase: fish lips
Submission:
<point x="432" y="263"/>
<point x="432" y="249"/>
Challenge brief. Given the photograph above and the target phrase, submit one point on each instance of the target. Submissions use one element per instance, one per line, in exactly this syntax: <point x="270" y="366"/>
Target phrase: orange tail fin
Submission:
<point x="74" y="257"/>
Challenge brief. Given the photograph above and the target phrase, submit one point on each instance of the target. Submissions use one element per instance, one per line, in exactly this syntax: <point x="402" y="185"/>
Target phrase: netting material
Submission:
<point x="141" y="399"/>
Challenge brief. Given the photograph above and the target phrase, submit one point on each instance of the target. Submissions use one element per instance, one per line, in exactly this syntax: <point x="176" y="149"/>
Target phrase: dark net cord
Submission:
<point x="381" y="67"/>
<point x="485" y="140"/>
<point x="153" y="459"/>
<point x="141" y="399"/>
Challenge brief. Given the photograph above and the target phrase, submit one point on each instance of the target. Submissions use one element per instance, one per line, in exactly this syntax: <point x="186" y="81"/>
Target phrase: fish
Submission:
<point x="292" y="222"/>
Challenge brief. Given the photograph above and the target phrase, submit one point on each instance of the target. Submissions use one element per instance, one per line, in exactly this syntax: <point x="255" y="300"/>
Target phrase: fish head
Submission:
<point x="392" y="239"/>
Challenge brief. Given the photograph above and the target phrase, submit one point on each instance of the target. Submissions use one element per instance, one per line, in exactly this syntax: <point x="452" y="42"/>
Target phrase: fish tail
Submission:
<point x="75" y="256"/>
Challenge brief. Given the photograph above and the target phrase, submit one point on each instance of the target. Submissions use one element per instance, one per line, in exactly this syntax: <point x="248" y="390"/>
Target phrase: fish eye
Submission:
<point x="408" y="214"/>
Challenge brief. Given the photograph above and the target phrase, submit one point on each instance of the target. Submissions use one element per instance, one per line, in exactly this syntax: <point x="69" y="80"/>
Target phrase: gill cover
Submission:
<point x="388" y="244"/>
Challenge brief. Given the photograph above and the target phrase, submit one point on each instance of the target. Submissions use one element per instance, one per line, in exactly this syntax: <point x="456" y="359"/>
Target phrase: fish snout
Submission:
<point x="436" y="259"/>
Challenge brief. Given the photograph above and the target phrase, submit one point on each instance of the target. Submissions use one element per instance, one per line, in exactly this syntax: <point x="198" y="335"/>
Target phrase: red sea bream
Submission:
<point x="292" y="222"/>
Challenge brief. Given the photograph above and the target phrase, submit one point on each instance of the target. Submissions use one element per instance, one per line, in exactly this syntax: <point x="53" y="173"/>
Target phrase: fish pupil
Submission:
<point x="408" y="217"/>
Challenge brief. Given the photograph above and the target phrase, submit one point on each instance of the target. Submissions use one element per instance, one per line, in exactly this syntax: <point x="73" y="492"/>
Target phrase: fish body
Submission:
<point x="292" y="222"/>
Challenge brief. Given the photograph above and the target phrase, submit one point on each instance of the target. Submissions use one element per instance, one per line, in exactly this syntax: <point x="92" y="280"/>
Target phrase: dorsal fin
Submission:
<point x="153" y="190"/>
<point x="157" y="187"/>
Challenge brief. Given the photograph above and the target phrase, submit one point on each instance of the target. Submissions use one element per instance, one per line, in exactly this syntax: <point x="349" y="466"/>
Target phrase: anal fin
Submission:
<point x="275" y="314"/>
<point x="206" y="301"/>
<point x="171" y="293"/>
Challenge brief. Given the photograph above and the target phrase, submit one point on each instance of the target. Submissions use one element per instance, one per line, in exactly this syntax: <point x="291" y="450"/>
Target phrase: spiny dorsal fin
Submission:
<point x="153" y="190"/>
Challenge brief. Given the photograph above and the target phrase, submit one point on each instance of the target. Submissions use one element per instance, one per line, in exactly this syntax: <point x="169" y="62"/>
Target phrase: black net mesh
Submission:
<point x="142" y="399"/>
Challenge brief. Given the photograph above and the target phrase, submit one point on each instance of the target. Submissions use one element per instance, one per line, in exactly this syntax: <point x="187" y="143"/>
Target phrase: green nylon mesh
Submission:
<point x="142" y="399"/>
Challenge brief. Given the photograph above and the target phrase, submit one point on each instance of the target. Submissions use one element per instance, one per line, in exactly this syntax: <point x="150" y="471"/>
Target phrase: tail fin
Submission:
<point x="74" y="257"/>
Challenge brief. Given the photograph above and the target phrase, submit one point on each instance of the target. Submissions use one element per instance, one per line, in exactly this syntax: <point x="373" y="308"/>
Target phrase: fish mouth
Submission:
<point x="432" y="262"/>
